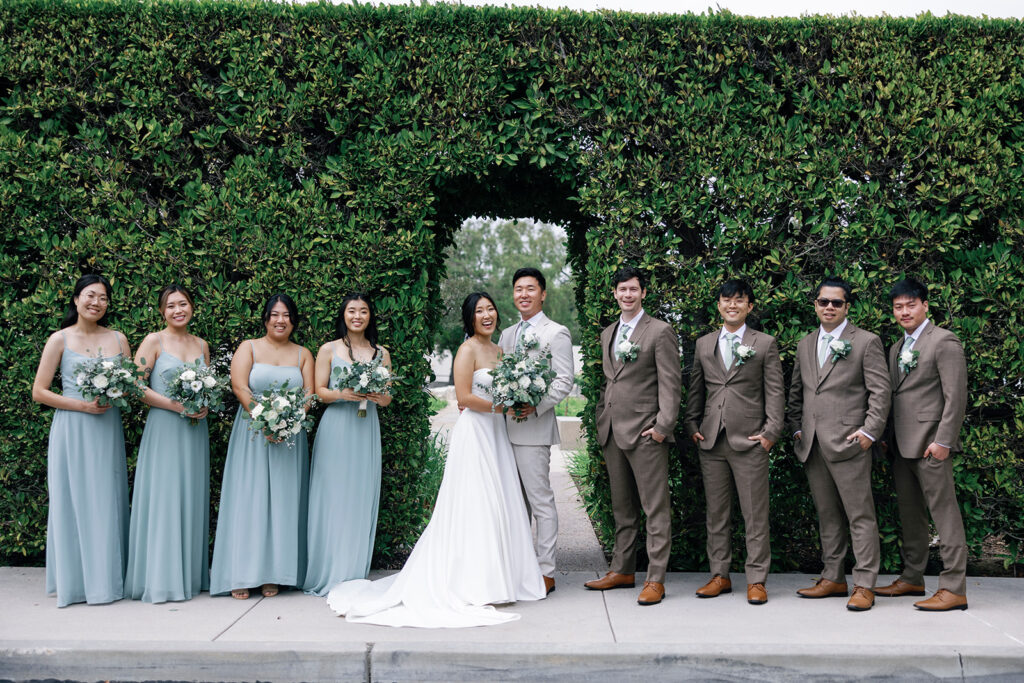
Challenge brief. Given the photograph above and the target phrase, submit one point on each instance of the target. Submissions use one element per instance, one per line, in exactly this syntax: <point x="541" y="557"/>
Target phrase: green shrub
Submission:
<point x="245" y="148"/>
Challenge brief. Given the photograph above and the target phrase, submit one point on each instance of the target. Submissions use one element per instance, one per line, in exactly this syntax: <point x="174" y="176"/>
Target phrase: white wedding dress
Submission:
<point x="477" y="550"/>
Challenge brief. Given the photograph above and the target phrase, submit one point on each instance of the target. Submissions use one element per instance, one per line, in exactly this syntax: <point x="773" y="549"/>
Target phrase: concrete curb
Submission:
<point x="149" y="661"/>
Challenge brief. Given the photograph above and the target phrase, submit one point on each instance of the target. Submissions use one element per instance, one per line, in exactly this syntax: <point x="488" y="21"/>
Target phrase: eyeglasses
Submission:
<point x="836" y="303"/>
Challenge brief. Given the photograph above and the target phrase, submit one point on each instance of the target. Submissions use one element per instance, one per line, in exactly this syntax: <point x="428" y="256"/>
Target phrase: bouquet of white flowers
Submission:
<point x="112" y="381"/>
<point x="197" y="386"/>
<point x="520" y="380"/>
<point x="363" y="378"/>
<point x="280" y="413"/>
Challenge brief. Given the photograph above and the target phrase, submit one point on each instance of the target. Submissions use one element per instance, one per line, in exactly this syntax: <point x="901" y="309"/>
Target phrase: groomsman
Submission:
<point x="636" y="417"/>
<point x="838" y="403"/>
<point x="929" y="398"/>
<point x="533" y="437"/>
<point x="735" y="411"/>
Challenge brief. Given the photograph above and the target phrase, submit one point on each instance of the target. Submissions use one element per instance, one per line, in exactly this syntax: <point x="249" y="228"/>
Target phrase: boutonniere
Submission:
<point x="908" y="360"/>
<point x="528" y="340"/>
<point x="840" y="348"/>
<point x="626" y="351"/>
<point x="742" y="353"/>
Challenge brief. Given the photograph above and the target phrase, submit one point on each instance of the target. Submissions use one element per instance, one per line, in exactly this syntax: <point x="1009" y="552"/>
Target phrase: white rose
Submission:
<point x="297" y="428"/>
<point x="107" y="364"/>
<point x="196" y="385"/>
<point x="257" y="411"/>
<point x="281" y="403"/>
<point x="209" y="381"/>
<point x="364" y="379"/>
<point x="524" y="381"/>
<point x="624" y="346"/>
<point x="281" y="427"/>
<point x="272" y="415"/>
<point x="521" y="365"/>
<point x="907" y="357"/>
<point x="81" y="379"/>
<point x="540" y="383"/>
<point x="382" y="372"/>
<point x="188" y="375"/>
<point x="100" y="381"/>
<point x="836" y="345"/>
<point x="125" y="372"/>
<point x="114" y="392"/>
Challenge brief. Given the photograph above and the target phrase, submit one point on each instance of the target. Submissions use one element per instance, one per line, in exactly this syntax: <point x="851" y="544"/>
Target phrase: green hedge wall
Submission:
<point x="244" y="148"/>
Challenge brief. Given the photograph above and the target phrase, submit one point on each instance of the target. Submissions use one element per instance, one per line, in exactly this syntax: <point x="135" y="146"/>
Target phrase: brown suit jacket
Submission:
<point x="643" y="393"/>
<point x="845" y="395"/>
<point x="929" y="402"/>
<point x="748" y="399"/>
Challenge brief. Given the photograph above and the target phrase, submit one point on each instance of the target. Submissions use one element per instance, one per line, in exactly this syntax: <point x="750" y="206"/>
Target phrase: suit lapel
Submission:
<point x="608" y="344"/>
<point x="636" y="338"/>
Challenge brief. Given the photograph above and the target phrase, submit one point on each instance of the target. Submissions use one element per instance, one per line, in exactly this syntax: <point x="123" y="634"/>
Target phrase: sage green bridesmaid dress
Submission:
<point x="261" y="526"/>
<point x="169" y="535"/>
<point x="87" y="483"/>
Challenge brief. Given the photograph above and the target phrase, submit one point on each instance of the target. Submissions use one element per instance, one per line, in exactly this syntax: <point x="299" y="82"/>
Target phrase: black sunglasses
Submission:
<point x="836" y="303"/>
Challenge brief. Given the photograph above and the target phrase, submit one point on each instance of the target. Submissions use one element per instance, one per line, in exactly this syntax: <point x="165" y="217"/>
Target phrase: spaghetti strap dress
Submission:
<point x="344" y="493"/>
<point x="261" y="527"/>
<point x="168" y="541"/>
<point x="87" y="483"/>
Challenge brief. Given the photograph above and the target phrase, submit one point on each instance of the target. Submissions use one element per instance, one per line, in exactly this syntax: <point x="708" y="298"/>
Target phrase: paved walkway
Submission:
<point x="573" y="635"/>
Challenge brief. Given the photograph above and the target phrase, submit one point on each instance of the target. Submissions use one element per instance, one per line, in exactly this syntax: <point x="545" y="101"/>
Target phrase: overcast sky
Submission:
<point x="790" y="8"/>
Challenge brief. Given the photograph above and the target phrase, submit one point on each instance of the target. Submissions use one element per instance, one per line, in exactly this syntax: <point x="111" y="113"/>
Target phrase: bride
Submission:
<point x="477" y="549"/>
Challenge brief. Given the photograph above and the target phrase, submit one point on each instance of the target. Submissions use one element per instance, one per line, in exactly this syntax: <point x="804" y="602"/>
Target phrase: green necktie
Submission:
<point x="522" y="331"/>
<point x="823" y="351"/>
<point x="908" y="341"/>
<point x="730" y="339"/>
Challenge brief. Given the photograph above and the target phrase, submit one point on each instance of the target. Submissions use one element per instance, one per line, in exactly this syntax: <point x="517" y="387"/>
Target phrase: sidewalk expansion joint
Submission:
<point x="368" y="663"/>
<point x="240" y="617"/>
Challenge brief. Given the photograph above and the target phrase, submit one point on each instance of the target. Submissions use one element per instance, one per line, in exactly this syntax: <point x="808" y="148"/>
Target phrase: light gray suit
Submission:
<point x="636" y="396"/>
<point x="827" y="404"/>
<point x="726" y="407"/>
<point x="928" y="405"/>
<point x="532" y="439"/>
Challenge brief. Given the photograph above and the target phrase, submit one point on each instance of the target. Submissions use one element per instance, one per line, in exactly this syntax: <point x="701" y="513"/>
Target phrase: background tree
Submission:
<point x="484" y="256"/>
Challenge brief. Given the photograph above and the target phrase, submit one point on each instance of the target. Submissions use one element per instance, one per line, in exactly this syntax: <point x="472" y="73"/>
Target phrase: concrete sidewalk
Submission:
<point x="573" y="635"/>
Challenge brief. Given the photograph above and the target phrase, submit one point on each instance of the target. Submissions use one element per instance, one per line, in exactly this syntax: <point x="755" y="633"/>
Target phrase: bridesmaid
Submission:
<point x="87" y="477"/>
<point x="168" y="538"/>
<point x="261" y="528"/>
<point x="344" y="485"/>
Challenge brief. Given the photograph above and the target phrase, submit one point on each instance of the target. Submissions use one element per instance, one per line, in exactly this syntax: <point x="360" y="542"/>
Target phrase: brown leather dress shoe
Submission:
<point x="609" y="581"/>
<point x="942" y="601"/>
<point x="824" y="589"/>
<point x="652" y="594"/>
<point x="549" y="584"/>
<point x="715" y="587"/>
<point x="861" y="600"/>
<point x="899" y="587"/>
<point x="756" y="594"/>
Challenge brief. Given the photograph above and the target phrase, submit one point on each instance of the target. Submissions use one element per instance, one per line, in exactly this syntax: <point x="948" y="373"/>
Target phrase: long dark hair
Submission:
<point x="293" y="310"/>
<point x="341" y="329"/>
<point x="469" y="312"/>
<point x="71" y="313"/>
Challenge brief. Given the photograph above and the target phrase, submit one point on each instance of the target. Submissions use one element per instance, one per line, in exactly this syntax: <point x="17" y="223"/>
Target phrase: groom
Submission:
<point x="533" y="437"/>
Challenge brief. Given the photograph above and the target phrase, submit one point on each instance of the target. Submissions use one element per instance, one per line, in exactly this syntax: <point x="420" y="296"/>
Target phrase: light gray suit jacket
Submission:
<point x="929" y="402"/>
<point x="845" y="395"/>
<point x="748" y="399"/>
<point x="541" y="428"/>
